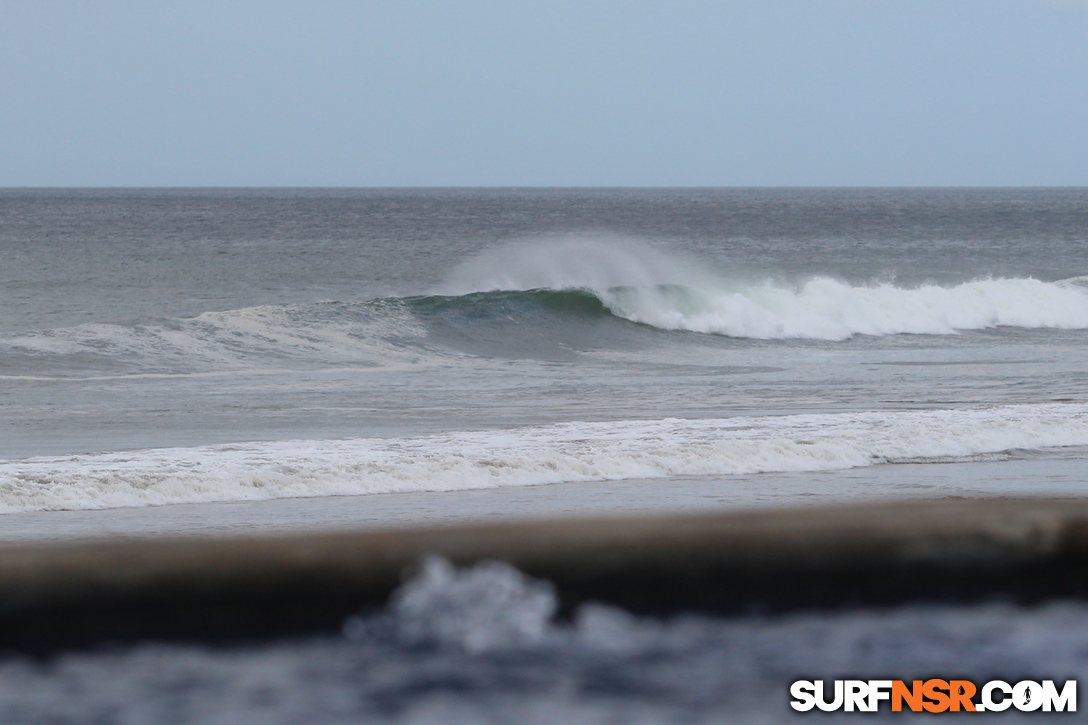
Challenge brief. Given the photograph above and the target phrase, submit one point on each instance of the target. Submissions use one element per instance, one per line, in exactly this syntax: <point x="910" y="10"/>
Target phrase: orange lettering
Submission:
<point x="961" y="692"/>
<point x="901" y="693"/>
<point x="932" y="690"/>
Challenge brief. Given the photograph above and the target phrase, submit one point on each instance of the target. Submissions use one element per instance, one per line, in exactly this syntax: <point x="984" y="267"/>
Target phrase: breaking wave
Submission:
<point x="643" y="285"/>
<point x="412" y="330"/>
<point x="568" y="452"/>
<point x="826" y="309"/>
<point x="544" y="301"/>
<point x="373" y="333"/>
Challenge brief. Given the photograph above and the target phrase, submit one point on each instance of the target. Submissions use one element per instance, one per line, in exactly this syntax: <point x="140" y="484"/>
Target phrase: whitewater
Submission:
<point x="640" y="284"/>
<point x="428" y="341"/>
<point x="826" y="309"/>
<point x="530" y="456"/>
<point x="395" y="331"/>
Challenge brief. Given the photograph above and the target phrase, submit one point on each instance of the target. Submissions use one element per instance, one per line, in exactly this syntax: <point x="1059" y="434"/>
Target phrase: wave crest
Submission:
<point x="644" y="285"/>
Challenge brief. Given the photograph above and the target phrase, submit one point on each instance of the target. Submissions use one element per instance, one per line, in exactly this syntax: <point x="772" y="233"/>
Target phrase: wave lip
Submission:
<point x="415" y="331"/>
<point x="568" y="452"/>
<point x="645" y="285"/>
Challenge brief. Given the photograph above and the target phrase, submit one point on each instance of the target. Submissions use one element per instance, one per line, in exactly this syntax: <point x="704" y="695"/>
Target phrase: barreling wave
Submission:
<point x="376" y="333"/>
<point x="426" y="329"/>
<point x="643" y="285"/>
<point x="541" y="301"/>
<point x="413" y="330"/>
<point x="505" y="303"/>
<point x="568" y="452"/>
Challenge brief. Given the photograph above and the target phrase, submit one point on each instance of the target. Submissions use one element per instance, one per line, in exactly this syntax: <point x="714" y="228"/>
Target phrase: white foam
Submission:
<point x="490" y="606"/>
<point x="332" y="333"/>
<point x="645" y="285"/>
<point x="827" y="309"/>
<point x="568" y="452"/>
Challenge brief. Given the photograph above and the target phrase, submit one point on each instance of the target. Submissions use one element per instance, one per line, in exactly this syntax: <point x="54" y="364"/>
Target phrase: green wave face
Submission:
<point x="826" y="309"/>
<point x="571" y="302"/>
<point x="677" y="300"/>
<point x="542" y="323"/>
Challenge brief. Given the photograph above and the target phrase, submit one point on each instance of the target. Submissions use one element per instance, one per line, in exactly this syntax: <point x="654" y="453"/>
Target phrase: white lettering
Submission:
<point x="804" y="697"/>
<point x="834" y="704"/>
<point x="1027" y="696"/>
<point x="1066" y="701"/>
<point x="879" y="690"/>
<point x="987" y="696"/>
<point x="857" y="695"/>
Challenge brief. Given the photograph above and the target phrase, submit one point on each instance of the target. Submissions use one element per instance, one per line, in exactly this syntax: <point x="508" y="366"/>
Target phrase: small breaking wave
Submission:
<point x="361" y="334"/>
<point x="536" y="455"/>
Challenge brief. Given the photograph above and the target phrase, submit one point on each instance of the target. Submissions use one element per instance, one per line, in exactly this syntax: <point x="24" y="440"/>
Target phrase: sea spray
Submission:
<point x="522" y="299"/>
<point x="670" y="291"/>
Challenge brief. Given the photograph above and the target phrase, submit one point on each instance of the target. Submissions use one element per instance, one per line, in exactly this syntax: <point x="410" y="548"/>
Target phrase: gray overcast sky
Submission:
<point x="549" y="93"/>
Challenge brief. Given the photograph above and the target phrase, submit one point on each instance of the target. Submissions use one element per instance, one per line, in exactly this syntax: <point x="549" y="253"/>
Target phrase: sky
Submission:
<point x="544" y="93"/>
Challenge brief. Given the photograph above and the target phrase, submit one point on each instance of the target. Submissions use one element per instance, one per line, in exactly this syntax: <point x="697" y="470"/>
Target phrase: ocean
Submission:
<point x="195" y="361"/>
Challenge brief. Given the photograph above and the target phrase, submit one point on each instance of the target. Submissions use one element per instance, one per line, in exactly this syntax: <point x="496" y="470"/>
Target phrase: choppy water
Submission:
<point x="182" y="346"/>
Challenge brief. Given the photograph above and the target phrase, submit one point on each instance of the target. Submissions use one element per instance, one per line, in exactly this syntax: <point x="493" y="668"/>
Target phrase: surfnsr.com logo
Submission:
<point x="934" y="696"/>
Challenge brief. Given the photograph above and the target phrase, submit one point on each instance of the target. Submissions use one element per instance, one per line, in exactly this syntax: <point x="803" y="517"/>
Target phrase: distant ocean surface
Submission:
<point x="185" y="346"/>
